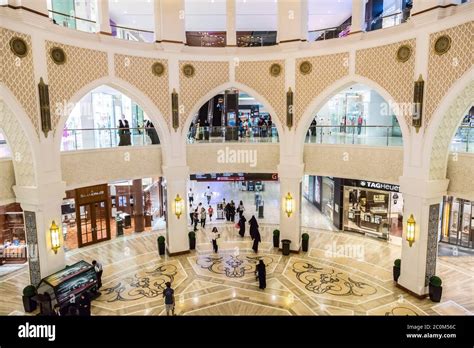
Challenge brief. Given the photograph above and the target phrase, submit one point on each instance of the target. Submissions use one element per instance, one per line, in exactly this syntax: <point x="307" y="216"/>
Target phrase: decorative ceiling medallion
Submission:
<point x="442" y="44"/>
<point x="404" y="53"/>
<point x="188" y="70"/>
<point x="306" y="67"/>
<point x="275" y="70"/>
<point x="58" y="55"/>
<point x="18" y="47"/>
<point x="158" y="69"/>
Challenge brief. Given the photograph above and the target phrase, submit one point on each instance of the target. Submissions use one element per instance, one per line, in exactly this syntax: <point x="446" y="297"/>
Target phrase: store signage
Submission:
<point x="378" y="185"/>
<point x="91" y="194"/>
<point x="235" y="177"/>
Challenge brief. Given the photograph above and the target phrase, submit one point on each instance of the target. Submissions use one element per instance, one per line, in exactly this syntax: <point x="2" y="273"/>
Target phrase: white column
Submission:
<point x="38" y="6"/>
<point x="422" y="198"/>
<point x="158" y="20"/>
<point x="358" y="16"/>
<point x="176" y="228"/>
<point x="103" y="17"/>
<point x="231" y="32"/>
<point x="290" y="177"/>
<point x="292" y="21"/>
<point x="42" y="206"/>
<point x="172" y="22"/>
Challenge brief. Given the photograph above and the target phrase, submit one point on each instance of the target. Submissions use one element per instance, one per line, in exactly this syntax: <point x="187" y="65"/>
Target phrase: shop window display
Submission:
<point x="13" y="248"/>
<point x="457" y="226"/>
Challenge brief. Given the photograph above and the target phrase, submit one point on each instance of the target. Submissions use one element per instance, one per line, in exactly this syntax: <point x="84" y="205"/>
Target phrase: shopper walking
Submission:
<point x="208" y="195"/>
<point x="242" y="221"/>
<point x="254" y="233"/>
<point x="191" y="213"/>
<point x="360" y="121"/>
<point x="210" y="211"/>
<point x="214" y="236"/>
<point x="203" y="217"/>
<point x="196" y="218"/>
<point x="227" y="212"/>
<point x="241" y="209"/>
<point x="191" y="196"/>
<point x="84" y="305"/>
<point x="168" y="295"/>
<point x="98" y="272"/>
<point x="261" y="274"/>
<point x="232" y="211"/>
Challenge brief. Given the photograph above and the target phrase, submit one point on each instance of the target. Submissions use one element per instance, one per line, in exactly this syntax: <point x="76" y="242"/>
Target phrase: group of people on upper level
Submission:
<point x="125" y="134"/>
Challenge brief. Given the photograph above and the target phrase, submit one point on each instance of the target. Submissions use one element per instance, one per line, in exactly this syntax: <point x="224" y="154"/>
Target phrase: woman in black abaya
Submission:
<point x="242" y="221"/>
<point x="261" y="275"/>
<point x="254" y="233"/>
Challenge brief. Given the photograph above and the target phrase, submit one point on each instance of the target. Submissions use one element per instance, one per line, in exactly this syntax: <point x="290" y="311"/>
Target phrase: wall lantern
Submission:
<point x="175" y="109"/>
<point x="178" y="206"/>
<point x="54" y="231"/>
<point x="289" y="204"/>
<point x="411" y="223"/>
<point x="289" y="108"/>
<point x="44" y="107"/>
<point x="417" y="113"/>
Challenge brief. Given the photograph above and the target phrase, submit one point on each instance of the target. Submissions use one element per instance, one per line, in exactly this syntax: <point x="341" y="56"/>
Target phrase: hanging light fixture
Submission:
<point x="411" y="223"/>
<point x="178" y="206"/>
<point x="54" y="232"/>
<point x="289" y="204"/>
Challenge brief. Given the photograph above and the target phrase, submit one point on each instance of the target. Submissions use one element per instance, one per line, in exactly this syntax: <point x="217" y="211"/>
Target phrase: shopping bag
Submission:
<point x="237" y="225"/>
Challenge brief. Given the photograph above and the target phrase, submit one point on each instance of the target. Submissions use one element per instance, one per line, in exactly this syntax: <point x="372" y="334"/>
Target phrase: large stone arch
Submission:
<point x="242" y="87"/>
<point x="21" y="137"/>
<point x="339" y="85"/>
<point x="444" y="123"/>
<point x="130" y="91"/>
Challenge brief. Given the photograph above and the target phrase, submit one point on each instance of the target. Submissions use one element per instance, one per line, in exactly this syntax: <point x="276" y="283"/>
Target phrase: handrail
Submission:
<point x="71" y="16"/>
<point x="132" y="29"/>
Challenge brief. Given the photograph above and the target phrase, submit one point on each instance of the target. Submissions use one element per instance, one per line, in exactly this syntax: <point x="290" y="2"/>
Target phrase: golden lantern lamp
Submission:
<point x="289" y="204"/>
<point x="178" y="206"/>
<point x="411" y="223"/>
<point x="54" y="232"/>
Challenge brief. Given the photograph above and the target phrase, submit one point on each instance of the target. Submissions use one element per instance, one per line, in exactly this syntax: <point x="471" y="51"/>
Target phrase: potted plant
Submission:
<point x="276" y="238"/>
<point x="161" y="245"/>
<point x="305" y="241"/>
<point x="192" y="240"/>
<point x="28" y="303"/>
<point x="435" y="289"/>
<point x="396" y="269"/>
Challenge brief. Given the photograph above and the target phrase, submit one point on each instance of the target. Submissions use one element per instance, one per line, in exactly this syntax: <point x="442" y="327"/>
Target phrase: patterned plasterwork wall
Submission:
<point x="207" y="76"/>
<point x="256" y="75"/>
<point x="446" y="130"/>
<point x="82" y="66"/>
<point x="19" y="146"/>
<point x="7" y="181"/>
<point x="138" y="72"/>
<point x="444" y="70"/>
<point x="380" y="64"/>
<point x="18" y="75"/>
<point x="325" y="71"/>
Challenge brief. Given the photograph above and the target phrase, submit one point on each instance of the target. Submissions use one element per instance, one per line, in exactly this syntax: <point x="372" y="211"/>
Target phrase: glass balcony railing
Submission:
<point x="99" y="138"/>
<point x="357" y="135"/>
<point x="73" y="22"/>
<point x="463" y="140"/>
<point x="329" y="33"/>
<point x="232" y="134"/>
<point x="387" y="21"/>
<point x="132" y="34"/>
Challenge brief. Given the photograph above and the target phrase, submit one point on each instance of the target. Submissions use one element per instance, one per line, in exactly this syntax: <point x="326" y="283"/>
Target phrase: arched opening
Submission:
<point x="463" y="140"/>
<point x="5" y="151"/>
<point x="232" y="116"/>
<point x="358" y="115"/>
<point x="104" y="118"/>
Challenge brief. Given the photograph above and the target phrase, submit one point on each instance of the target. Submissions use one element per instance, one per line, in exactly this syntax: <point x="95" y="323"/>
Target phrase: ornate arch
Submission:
<point x="127" y="89"/>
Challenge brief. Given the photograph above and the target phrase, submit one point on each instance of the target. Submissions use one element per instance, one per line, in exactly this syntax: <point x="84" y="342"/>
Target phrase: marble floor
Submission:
<point x="341" y="274"/>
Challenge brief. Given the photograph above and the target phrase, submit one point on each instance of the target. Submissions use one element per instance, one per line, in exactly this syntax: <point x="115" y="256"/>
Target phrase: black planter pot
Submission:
<point x="396" y="273"/>
<point x="192" y="243"/>
<point x="276" y="241"/>
<point x="285" y="245"/>
<point x="305" y="244"/>
<point x="435" y="293"/>
<point x="29" y="304"/>
<point x="161" y="248"/>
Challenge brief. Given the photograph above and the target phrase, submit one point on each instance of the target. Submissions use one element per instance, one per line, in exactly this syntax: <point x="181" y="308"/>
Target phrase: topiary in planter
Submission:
<point x="161" y="245"/>
<point x="192" y="240"/>
<point x="435" y="289"/>
<point x="276" y="238"/>
<point x="28" y="303"/>
<point x="305" y="243"/>
<point x="396" y="269"/>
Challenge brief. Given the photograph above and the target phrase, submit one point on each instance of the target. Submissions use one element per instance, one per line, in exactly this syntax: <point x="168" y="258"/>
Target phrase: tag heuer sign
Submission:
<point x="379" y="186"/>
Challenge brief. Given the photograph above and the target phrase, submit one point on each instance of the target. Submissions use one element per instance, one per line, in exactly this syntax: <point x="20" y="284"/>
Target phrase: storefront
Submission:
<point x="457" y="225"/>
<point x="373" y="208"/>
<point x="13" y="247"/>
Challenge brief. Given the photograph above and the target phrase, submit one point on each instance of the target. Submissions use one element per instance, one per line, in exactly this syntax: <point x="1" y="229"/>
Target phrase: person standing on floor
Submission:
<point x="227" y="212"/>
<point x="168" y="294"/>
<point x="254" y="233"/>
<point x="210" y="211"/>
<point x="242" y="221"/>
<point x="84" y="305"/>
<point x="203" y="217"/>
<point x="214" y="236"/>
<point x="191" y="196"/>
<point x="261" y="273"/>
<point x="232" y="211"/>
<point x="196" y="218"/>
<point x="191" y="213"/>
<point x="208" y="195"/>
<point x="241" y="209"/>
<point x="98" y="272"/>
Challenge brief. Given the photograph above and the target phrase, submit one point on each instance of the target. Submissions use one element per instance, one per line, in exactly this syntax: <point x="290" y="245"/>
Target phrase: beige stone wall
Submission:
<point x="444" y="70"/>
<point x="460" y="176"/>
<point x="207" y="76"/>
<point x="256" y="75"/>
<point x="7" y="181"/>
<point x="18" y="75"/>
<point x="82" y="67"/>
<point x="380" y="64"/>
<point x="138" y="72"/>
<point x="79" y="168"/>
<point x="361" y="162"/>
<point x="325" y="71"/>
